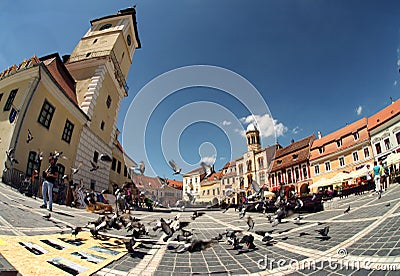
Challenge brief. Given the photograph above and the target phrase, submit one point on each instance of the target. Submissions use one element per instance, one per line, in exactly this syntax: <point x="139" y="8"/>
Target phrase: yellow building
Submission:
<point x="210" y="189"/>
<point x="71" y="105"/>
<point x="41" y="91"/>
<point x="344" y="150"/>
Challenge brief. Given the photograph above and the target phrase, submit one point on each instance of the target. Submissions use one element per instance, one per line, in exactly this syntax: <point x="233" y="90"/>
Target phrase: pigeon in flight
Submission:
<point x="166" y="229"/>
<point x="208" y="169"/>
<point x="29" y="137"/>
<point x="175" y="167"/>
<point x="95" y="167"/>
<point x="141" y="167"/>
<point x="192" y="199"/>
<point x="76" y="230"/>
<point x="105" y="157"/>
<point x="347" y="210"/>
<point x="76" y="170"/>
<point x="10" y="156"/>
<point x="256" y="187"/>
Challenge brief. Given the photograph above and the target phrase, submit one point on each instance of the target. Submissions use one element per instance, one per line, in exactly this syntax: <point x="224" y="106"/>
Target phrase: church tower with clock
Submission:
<point x="100" y="64"/>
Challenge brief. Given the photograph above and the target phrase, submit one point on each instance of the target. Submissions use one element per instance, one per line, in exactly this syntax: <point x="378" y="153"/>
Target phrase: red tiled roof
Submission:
<point x="384" y="115"/>
<point x="195" y="171"/>
<point x="213" y="177"/>
<point x="143" y="182"/>
<point x="296" y="153"/>
<point x="119" y="146"/>
<point x="61" y="75"/>
<point x="329" y="141"/>
<point x="175" y="184"/>
<point x="347" y="130"/>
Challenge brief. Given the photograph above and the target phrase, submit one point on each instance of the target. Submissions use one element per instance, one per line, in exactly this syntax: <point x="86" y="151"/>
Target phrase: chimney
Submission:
<point x="292" y="141"/>
<point x="319" y="135"/>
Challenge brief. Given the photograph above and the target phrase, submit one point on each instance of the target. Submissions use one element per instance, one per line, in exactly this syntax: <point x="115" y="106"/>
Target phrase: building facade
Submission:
<point x="384" y="130"/>
<point x="344" y="150"/>
<point x="291" y="166"/>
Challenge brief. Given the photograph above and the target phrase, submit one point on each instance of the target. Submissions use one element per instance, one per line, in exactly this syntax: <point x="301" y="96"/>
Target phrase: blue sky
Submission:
<point x="316" y="64"/>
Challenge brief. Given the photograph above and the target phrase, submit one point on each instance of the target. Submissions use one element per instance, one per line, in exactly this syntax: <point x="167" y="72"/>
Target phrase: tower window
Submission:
<point x="94" y="41"/>
<point x="105" y="27"/>
<point x="46" y="114"/>
<point x="108" y="102"/>
<point x="1" y="96"/>
<point x="67" y="133"/>
<point x="129" y="40"/>
<point x="95" y="156"/>
<point x="10" y="100"/>
<point x="88" y="54"/>
<point x="102" y="125"/>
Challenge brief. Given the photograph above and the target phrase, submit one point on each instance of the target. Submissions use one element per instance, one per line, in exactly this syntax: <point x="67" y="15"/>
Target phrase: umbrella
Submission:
<point x="393" y="158"/>
<point x="356" y="174"/>
<point x="320" y="183"/>
<point x="268" y="193"/>
<point x="339" y="178"/>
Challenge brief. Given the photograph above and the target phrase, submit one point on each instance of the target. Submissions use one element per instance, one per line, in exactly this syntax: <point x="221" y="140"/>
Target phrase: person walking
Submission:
<point x="377" y="177"/>
<point x="50" y="176"/>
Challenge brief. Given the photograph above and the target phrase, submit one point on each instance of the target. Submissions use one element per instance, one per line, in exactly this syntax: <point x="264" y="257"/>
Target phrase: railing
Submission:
<point x="118" y="72"/>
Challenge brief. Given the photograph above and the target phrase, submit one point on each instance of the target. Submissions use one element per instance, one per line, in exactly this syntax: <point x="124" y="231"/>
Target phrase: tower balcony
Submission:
<point x="106" y="53"/>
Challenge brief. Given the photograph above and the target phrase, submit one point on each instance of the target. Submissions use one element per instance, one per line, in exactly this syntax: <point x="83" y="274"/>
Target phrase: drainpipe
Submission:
<point x="27" y="105"/>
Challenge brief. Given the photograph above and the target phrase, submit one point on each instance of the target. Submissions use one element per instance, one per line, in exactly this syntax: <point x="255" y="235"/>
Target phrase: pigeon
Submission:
<point x="10" y="156"/>
<point x="129" y="244"/>
<point x="242" y="213"/>
<point x="266" y="235"/>
<point x="141" y="167"/>
<point x="95" y="167"/>
<point x="76" y="170"/>
<point x="47" y="216"/>
<point x="105" y="157"/>
<point x="250" y="223"/>
<point x="175" y="167"/>
<point x="197" y="246"/>
<point x="347" y="210"/>
<point x="197" y="214"/>
<point x="208" y="169"/>
<point x="248" y="240"/>
<point x="30" y="137"/>
<point x="166" y="229"/>
<point x="324" y="231"/>
<point x="387" y="205"/>
<point x="76" y="230"/>
<point x="299" y="204"/>
<point x="256" y="187"/>
<point x="379" y="195"/>
<point x="192" y="199"/>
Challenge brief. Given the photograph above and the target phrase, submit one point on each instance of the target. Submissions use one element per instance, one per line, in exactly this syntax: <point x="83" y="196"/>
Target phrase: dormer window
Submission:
<point x="295" y="156"/>
<point x="321" y="150"/>
<point x="339" y="143"/>
<point x="356" y="136"/>
<point x="279" y="162"/>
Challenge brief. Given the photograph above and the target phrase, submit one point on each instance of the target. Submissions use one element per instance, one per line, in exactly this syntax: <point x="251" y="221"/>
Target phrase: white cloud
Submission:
<point x="359" y="110"/>
<point x="226" y="123"/>
<point x="395" y="83"/>
<point x="266" y="124"/>
<point x="208" y="159"/>
<point x="296" y="130"/>
<point x="241" y="131"/>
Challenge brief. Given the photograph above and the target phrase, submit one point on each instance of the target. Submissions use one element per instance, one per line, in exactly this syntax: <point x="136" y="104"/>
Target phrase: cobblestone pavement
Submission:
<point x="366" y="241"/>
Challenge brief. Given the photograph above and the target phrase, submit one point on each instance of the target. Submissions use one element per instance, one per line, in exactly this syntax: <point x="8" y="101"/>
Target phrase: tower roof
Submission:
<point x="251" y="127"/>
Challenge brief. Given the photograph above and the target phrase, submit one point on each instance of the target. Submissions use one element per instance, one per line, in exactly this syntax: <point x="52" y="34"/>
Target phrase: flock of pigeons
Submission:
<point x="181" y="239"/>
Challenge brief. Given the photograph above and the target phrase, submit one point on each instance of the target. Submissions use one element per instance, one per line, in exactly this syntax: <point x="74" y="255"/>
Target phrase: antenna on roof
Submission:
<point x="391" y="100"/>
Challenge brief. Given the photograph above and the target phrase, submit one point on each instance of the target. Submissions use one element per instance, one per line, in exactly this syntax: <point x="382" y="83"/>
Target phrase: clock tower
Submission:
<point x="100" y="64"/>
